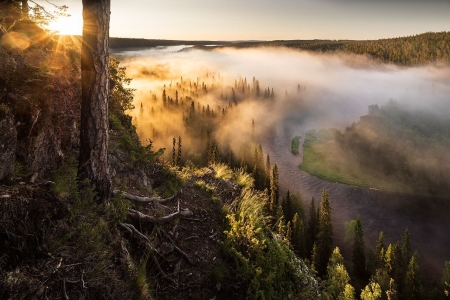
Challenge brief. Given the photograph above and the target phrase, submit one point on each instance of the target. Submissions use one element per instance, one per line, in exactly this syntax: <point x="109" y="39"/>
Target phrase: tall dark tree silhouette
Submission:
<point x="324" y="240"/>
<point x="93" y="157"/>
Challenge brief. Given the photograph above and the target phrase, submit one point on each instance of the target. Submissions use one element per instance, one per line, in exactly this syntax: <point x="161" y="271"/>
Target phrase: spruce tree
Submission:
<point x="298" y="236"/>
<point x="274" y="189"/>
<point x="406" y="247"/>
<point x="268" y="168"/>
<point x="174" y="155"/>
<point x="324" y="240"/>
<point x="380" y="250"/>
<point x="287" y="207"/>
<point x="179" y="152"/>
<point x="413" y="282"/>
<point x="312" y="227"/>
<point x="337" y="278"/>
<point x="358" y="254"/>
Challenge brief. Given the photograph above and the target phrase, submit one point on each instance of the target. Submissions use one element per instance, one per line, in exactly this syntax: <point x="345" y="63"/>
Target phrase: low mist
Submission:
<point x="311" y="90"/>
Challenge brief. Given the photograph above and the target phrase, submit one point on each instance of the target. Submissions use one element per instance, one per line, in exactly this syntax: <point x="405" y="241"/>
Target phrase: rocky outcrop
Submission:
<point x="8" y="142"/>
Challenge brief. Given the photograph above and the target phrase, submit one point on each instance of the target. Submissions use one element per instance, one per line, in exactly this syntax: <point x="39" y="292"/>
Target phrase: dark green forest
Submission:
<point x="430" y="47"/>
<point x="410" y="51"/>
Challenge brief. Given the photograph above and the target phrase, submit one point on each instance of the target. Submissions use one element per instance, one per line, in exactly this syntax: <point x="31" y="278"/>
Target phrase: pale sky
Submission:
<point x="267" y="19"/>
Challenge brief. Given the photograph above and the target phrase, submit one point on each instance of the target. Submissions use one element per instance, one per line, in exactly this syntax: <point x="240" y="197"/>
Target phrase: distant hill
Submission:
<point x="117" y="43"/>
<point x="411" y="50"/>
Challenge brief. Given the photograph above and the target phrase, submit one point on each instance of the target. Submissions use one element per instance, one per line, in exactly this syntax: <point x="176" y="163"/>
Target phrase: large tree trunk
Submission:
<point x="25" y="8"/>
<point x="93" y="159"/>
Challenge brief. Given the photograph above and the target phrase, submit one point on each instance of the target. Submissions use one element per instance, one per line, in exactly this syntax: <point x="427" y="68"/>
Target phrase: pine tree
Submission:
<point x="337" y="278"/>
<point x="298" y="238"/>
<point x="289" y="232"/>
<point x="94" y="134"/>
<point x="380" y="250"/>
<point x="313" y="227"/>
<point x="391" y="293"/>
<point x="287" y="206"/>
<point x="164" y="97"/>
<point x="358" y="254"/>
<point x="372" y="291"/>
<point x="274" y="188"/>
<point x="268" y="168"/>
<point x="406" y="247"/>
<point x="413" y="283"/>
<point x="324" y="238"/>
<point x="179" y="152"/>
<point x="174" y="160"/>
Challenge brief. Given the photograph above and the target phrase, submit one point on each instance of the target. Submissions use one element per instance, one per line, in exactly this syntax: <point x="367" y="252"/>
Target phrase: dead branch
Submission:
<point x="137" y="215"/>
<point x="188" y="259"/>
<point x="130" y="228"/>
<point x="139" y="199"/>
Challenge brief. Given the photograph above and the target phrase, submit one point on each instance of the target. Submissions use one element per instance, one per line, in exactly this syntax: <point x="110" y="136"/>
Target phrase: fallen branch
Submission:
<point x="137" y="215"/>
<point x="188" y="259"/>
<point x="140" y="199"/>
<point x="130" y="228"/>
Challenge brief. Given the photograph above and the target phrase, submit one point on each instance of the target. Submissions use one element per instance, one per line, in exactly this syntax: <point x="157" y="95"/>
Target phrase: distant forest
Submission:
<point x="118" y="43"/>
<point x="409" y="51"/>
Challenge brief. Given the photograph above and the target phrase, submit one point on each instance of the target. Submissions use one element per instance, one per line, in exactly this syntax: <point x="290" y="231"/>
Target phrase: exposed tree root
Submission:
<point x="144" y="200"/>
<point x="130" y="228"/>
<point x="138" y="216"/>
<point x="186" y="257"/>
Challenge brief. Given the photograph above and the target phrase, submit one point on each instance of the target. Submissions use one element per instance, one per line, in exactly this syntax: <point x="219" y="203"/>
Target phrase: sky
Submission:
<point x="266" y="19"/>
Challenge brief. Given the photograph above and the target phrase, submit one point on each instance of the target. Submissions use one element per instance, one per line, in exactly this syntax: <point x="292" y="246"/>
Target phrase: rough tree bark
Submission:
<point x="93" y="157"/>
<point x="25" y="8"/>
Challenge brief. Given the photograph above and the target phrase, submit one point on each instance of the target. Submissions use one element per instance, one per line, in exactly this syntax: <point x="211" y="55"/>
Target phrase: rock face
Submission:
<point x="8" y="142"/>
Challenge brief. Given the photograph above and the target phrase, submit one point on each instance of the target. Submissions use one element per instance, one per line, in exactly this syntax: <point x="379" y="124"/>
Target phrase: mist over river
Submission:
<point x="337" y="89"/>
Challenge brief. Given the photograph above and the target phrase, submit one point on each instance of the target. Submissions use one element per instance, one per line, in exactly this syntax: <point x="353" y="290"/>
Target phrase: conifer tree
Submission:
<point x="313" y="227"/>
<point x="274" y="188"/>
<point x="372" y="291"/>
<point x="324" y="240"/>
<point x="268" y="168"/>
<point x="289" y="232"/>
<point x="287" y="206"/>
<point x="391" y="293"/>
<point x="179" y="151"/>
<point x="298" y="235"/>
<point x="174" y="160"/>
<point x="338" y="280"/>
<point x="380" y="250"/>
<point x="413" y="283"/>
<point x="358" y="254"/>
<point x="406" y="247"/>
<point x="164" y="97"/>
<point x="95" y="90"/>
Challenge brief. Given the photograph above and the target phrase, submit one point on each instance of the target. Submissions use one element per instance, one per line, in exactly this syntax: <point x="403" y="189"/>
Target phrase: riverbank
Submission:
<point x="323" y="158"/>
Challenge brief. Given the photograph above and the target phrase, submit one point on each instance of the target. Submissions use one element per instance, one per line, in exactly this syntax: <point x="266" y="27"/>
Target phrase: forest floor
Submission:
<point x="190" y="263"/>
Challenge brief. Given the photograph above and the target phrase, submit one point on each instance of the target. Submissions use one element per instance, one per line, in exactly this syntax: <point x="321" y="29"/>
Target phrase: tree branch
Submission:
<point x="189" y="260"/>
<point x="137" y="215"/>
<point x="139" y="199"/>
<point x="130" y="228"/>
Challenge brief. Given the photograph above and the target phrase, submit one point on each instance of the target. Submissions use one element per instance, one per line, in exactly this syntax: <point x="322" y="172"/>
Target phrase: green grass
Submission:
<point x="326" y="160"/>
<point x="295" y="143"/>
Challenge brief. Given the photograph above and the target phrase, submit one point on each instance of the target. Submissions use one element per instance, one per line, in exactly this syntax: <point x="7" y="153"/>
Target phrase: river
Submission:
<point x="427" y="218"/>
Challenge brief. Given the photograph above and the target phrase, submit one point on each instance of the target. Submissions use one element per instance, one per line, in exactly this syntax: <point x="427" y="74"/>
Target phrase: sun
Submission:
<point x="72" y="25"/>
